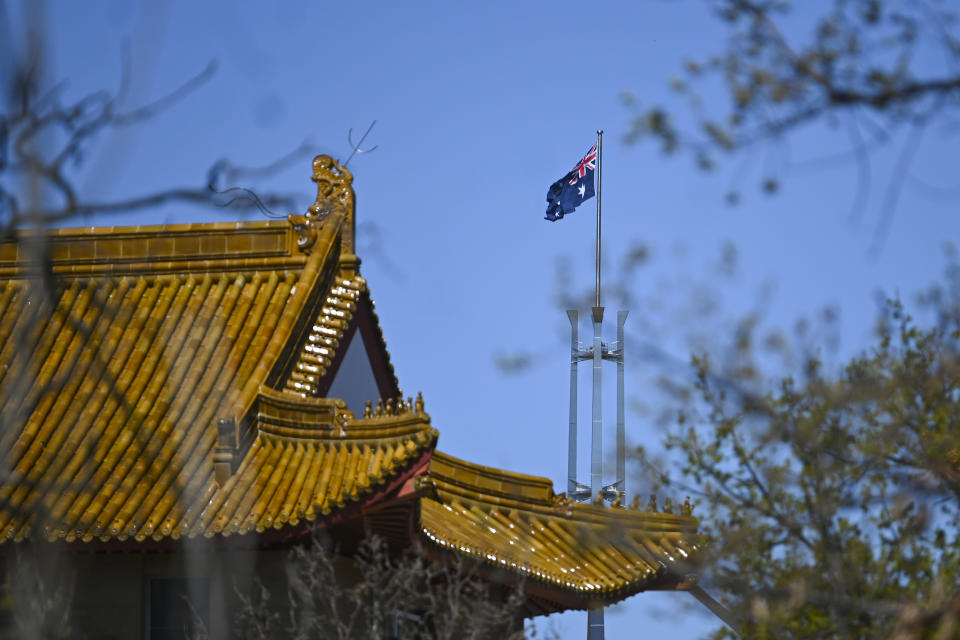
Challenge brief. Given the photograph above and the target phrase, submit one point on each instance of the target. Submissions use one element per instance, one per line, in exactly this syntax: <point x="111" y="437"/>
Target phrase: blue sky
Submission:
<point x="479" y="107"/>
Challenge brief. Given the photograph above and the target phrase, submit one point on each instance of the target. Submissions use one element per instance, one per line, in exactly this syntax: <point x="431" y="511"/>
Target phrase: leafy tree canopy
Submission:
<point x="830" y="498"/>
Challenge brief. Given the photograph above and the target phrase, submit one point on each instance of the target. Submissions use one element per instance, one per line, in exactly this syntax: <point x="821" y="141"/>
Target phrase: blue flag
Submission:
<point x="569" y="192"/>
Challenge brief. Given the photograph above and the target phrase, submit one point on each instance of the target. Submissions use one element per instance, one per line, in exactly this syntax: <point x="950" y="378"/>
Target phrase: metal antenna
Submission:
<point x="355" y="148"/>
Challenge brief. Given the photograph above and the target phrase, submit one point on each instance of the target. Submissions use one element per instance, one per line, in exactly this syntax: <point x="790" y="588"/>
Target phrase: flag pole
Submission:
<point x="599" y="192"/>
<point x="595" y="626"/>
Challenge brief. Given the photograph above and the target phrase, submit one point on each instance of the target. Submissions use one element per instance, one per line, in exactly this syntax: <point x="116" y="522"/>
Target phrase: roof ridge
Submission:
<point x="461" y="473"/>
<point x="289" y="415"/>
<point x="211" y="246"/>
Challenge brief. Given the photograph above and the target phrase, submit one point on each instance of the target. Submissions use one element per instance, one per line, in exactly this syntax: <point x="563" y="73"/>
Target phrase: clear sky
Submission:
<point x="479" y="107"/>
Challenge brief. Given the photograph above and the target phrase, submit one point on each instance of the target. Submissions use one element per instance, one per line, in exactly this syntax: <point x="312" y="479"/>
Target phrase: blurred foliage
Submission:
<point x="380" y="594"/>
<point x="861" y="66"/>
<point x="830" y="497"/>
<point x="830" y="493"/>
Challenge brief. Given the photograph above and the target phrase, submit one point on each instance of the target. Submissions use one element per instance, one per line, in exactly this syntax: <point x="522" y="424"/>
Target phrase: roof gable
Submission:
<point x="354" y="380"/>
<point x="163" y="381"/>
<point x="345" y="315"/>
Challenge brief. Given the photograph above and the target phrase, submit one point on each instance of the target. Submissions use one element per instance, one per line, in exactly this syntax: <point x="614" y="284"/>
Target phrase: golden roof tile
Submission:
<point x="114" y="380"/>
<point x="514" y="522"/>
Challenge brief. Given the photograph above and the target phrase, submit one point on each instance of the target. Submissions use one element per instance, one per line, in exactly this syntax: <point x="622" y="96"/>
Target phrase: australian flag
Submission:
<point x="569" y="192"/>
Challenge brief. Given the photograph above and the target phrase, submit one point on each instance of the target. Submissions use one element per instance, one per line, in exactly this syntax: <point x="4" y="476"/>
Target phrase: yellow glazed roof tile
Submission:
<point x="515" y="523"/>
<point x="112" y="385"/>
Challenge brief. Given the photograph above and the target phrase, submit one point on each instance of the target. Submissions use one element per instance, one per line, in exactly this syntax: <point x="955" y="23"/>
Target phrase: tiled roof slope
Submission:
<point x="577" y="554"/>
<point x="118" y="362"/>
<point x="310" y="458"/>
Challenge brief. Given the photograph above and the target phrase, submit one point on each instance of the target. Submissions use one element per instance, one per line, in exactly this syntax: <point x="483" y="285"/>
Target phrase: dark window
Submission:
<point x="177" y="608"/>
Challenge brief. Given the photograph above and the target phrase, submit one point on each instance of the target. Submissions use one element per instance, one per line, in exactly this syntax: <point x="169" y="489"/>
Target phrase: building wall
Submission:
<point x="113" y="590"/>
<point x="108" y="594"/>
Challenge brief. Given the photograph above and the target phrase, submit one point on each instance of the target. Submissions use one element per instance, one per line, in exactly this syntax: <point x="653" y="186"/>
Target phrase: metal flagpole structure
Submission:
<point x="595" y="627"/>
<point x="596" y="353"/>
<point x="599" y="195"/>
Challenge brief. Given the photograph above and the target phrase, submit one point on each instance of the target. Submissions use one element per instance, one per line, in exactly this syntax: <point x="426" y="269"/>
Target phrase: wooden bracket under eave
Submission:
<point x="225" y="455"/>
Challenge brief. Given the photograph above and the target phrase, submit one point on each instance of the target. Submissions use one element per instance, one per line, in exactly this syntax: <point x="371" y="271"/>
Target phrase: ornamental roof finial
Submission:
<point x="419" y="404"/>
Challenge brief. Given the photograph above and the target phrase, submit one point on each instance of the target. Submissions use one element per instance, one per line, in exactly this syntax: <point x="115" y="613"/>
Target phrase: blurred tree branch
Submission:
<point x="41" y="139"/>
<point x="865" y="64"/>
<point x="45" y="140"/>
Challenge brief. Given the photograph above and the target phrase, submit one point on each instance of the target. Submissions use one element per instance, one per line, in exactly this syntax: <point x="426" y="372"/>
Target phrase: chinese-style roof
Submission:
<point x="166" y="382"/>
<point x="310" y="459"/>
<point x="572" y="554"/>
<point x="114" y="378"/>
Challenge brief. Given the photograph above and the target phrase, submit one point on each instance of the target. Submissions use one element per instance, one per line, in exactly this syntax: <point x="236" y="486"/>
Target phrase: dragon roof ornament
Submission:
<point x="334" y="195"/>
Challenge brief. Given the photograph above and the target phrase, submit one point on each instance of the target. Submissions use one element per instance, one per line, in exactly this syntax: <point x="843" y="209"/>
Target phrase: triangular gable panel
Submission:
<point x="361" y="368"/>
<point x="344" y="322"/>
<point x="354" y="381"/>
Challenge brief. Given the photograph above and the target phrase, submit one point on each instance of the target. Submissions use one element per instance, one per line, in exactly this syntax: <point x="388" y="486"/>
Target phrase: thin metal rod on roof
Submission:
<point x="355" y="148"/>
